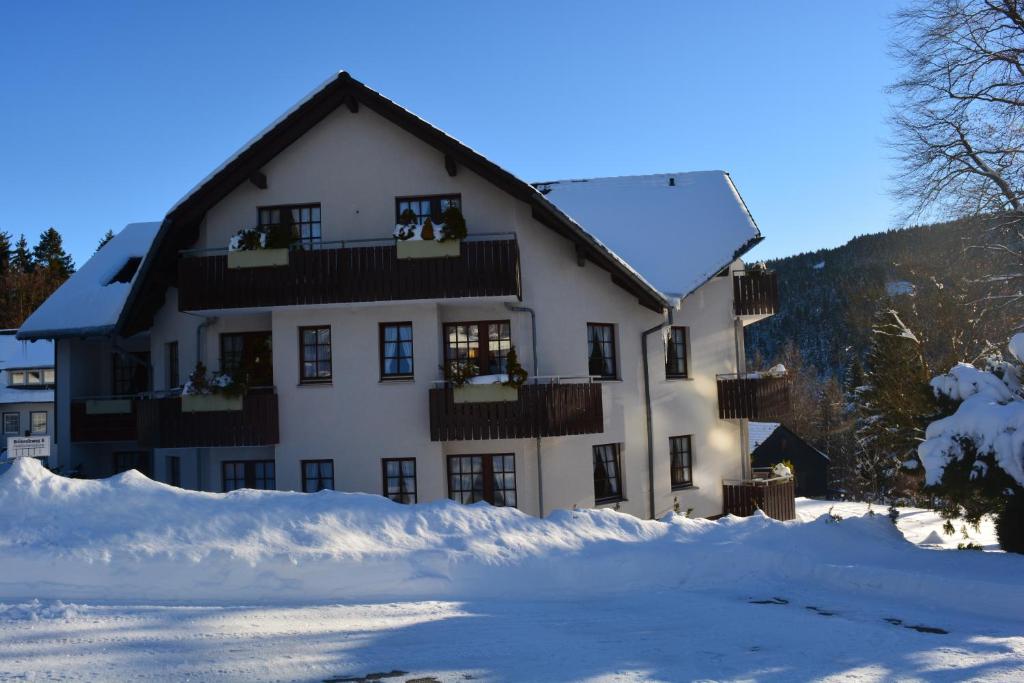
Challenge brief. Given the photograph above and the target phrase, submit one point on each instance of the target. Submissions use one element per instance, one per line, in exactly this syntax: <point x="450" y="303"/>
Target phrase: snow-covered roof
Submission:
<point x="15" y="355"/>
<point x="90" y="302"/>
<point x="641" y="219"/>
<point x="758" y="433"/>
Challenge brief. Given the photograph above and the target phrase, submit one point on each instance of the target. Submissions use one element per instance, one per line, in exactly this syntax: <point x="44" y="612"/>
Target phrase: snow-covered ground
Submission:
<point x="130" y="579"/>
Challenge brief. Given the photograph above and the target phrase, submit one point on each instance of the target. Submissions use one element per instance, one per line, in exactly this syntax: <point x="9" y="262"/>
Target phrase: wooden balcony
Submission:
<point x="162" y="424"/>
<point x="552" y="408"/>
<point x="753" y="397"/>
<point x="351" y="272"/>
<point x="103" y="419"/>
<point x="755" y="293"/>
<point x="775" y="497"/>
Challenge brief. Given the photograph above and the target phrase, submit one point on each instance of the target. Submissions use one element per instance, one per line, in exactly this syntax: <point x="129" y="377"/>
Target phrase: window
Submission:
<point x="601" y="350"/>
<point x="675" y="353"/>
<point x="173" y="374"/>
<point x="248" y="355"/>
<point x="491" y="478"/>
<point x="38" y="422"/>
<point x="132" y="460"/>
<point x="49" y="376"/>
<point x="317" y="475"/>
<point x="315" y="360"/>
<point x="16" y="377"/>
<point x="484" y="344"/>
<point x="396" y="351"/>
<point x="32" y="377"/>
<point x="427" y="207"/>
<point x="681" y="451"/>
<point x="248" y="474"/>
<point x="400" y="479"/>
<point x="173" y="465"/>
<point x="12" y="424"/>
<point x="130" y="373"/>
<point x="303" y="219"/>
<point x="127" y="271"/>
<point x="607" y="473"/>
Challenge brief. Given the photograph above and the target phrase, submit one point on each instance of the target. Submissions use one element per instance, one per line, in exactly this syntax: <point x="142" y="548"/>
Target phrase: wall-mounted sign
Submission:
<point x="28" y="446"/>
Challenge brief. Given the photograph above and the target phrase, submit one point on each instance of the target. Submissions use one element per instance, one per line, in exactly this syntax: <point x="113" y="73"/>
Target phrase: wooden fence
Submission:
<point x="86" y="427"/>
<point x="162" y="424"/>
<point x="775" y="497"/>
<point x="753" y="397"/>
<point x="755" y="293"/>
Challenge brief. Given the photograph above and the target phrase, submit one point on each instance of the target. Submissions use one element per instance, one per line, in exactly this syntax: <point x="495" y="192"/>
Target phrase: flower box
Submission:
<point x="257" y="258"/>
<point x="416" y="248"/>
<point x="485" y="393"/>
<point x="108" y="406"/>
<point x="209" y="403"/>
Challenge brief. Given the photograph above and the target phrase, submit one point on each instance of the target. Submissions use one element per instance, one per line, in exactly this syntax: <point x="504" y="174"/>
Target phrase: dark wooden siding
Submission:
<point x="753" y="398"/>
<point x="350" y="274"/>
<point x="755" y="294"/>
<point x="116" y="427"/>
<point x="542" y="410"/>
<point x="776" y="498"/>
<point x="163" y="425"/>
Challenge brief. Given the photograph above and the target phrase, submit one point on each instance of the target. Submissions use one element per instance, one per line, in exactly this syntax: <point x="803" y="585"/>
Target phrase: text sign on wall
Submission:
<point x="28" y="446"/>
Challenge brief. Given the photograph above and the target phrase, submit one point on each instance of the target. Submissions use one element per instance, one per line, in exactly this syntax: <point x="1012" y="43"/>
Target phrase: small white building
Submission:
<point x="27" y="381"/>
<point x="624" y="299"/>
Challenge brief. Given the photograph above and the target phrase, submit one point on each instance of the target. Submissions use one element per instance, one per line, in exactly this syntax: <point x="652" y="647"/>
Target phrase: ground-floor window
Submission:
<point x="133" y="460"/>
<point x="248" y="474"/>
<point x="12" y="424"/>
<point x="681" y="450"/>
<point x="482" y="477"/>
<point x="38" y="421"/>
<point x="400" y="479"/>
<point x="173" y="465"/>
<point x="607" y="473"/>
<point x="317" y="475"/>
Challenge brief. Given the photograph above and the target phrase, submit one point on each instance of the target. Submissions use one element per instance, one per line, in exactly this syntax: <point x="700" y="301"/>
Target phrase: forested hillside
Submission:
<point x="937" y="277"/>
<point x="29" y="275"/>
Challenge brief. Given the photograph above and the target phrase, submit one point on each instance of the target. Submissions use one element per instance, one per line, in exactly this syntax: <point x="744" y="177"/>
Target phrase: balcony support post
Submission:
<point x="647" y="405"/>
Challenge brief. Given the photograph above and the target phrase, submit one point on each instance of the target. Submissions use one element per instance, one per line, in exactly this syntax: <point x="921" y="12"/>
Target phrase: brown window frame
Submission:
<point x="316" y="379"/>
<point x="401" y="477"/>
<point x="435" y="204"/>
<point x="483" y="360"/>
<point x="137" y="379"/>
<point x="682" y="482"/>
<point x="249" y="353"/>
<point x="319" y="477"/>
<point x="617" y="452"/>
<point x="249" y="477"/>
<point x="384" y="375"/>
<point x="672" y="347"/>
<point x="487" y="478"/>
<point x="311" y="242"/>
<point x="614" y="352"/>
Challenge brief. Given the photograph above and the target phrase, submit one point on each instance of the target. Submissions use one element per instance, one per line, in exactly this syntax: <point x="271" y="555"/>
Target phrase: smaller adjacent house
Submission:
<point x="27" y="379"/>
<point x="771" y="443"/>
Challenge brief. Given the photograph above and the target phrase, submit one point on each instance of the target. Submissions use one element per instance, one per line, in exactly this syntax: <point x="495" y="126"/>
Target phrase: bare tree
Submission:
<point x="958" y="122"/>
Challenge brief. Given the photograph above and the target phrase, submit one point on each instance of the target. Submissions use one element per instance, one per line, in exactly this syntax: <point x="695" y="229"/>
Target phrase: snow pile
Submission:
<point x="89" y="302"/>
<point x="782" y="470"/>
<point x="129" y="538"/>
<point x="990" y="417"/>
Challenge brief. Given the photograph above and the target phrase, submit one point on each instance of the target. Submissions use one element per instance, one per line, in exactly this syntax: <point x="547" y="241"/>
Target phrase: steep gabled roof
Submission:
<point x="180" y="228"/>
<point x="91" y="301"/>
<point x="678" y="229"/>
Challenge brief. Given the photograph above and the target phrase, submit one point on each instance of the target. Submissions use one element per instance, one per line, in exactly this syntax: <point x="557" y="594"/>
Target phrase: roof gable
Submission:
<point x="181" y="225"/>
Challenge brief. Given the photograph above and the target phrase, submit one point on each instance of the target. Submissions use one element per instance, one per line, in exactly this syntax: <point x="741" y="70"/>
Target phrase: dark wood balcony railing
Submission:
<point x="162" y="424"/>
<point x="775" y="497"/>
<point x="103" y="419"/>
<point x="548" y="409"/>
<point x="755" y="293"/>
<point x="752" y="397"/>
<point x="351" y="272"/>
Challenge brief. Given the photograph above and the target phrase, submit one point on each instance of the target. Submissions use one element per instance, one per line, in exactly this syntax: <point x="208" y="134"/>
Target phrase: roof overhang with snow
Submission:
<point x="678" y="229"/>
<point x="89" y="303"/>
<point x="180" y="228"/>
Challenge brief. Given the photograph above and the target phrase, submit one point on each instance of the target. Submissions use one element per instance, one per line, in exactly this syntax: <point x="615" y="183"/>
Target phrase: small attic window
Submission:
<point x="127" y="271"/>
<point x="671" y="182"/>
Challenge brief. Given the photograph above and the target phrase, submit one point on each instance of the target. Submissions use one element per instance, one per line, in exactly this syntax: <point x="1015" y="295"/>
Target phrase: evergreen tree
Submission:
<point x="5" y="254"/>
<point x="893" y="407"/>
<point x="107" y="236"/>
<point x="50" y="257"/>
<point x="21" y="258"/>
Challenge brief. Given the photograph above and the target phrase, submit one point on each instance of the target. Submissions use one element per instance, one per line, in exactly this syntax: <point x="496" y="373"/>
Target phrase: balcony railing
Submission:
<point x="755" y="292"/>
<point x="776" y="497"/>
<point x="346" y="272"/>
<point x="162" y="424"/>
<point x="103" y="418"/>
<point x="752" y="396"/>
<point x="545" y="407"/>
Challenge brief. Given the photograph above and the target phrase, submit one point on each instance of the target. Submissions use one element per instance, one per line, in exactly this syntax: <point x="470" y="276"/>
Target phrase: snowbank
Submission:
<point x="129" y="538"/>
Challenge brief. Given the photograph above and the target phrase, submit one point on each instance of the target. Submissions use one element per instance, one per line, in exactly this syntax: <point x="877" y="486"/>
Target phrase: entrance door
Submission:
<point x="248" y="354"/>
<point x="122" y="461"/>
<point x="492" y="478"/>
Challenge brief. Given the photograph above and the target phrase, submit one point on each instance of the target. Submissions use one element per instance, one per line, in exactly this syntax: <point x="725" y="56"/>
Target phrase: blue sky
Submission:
<point x="109" y="112"/>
